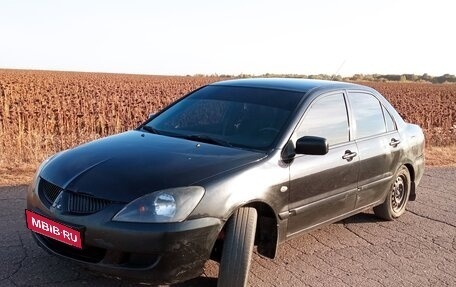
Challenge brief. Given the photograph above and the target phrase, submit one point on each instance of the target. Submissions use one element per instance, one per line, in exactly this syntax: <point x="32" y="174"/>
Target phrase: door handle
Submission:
<point x="349" y="155"/>
<point x="394" y="142"/>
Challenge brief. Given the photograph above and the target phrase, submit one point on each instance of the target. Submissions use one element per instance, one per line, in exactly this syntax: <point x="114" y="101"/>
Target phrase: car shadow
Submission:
<point x="197" y="282"/>
<point x="364" y="217"/>
<point x="110" y="280"/>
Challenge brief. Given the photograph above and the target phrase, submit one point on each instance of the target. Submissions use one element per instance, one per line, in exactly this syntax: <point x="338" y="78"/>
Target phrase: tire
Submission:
<point x="237" y="248"/>
<point x="397" y="198"/>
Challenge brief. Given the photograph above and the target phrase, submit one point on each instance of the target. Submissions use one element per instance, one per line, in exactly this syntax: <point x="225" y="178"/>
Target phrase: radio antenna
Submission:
<point x="338" y="69"/>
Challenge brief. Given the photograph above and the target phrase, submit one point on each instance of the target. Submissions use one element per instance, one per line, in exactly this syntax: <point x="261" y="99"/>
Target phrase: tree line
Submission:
<point x="425" y="78"/>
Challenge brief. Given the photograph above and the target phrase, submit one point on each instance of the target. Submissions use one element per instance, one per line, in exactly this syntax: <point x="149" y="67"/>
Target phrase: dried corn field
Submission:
<point x="432" y="106"/>
<point x="43" y="112"/>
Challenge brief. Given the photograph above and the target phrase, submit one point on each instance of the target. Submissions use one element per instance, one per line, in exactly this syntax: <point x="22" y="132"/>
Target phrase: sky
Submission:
<point x="187" y="37"/>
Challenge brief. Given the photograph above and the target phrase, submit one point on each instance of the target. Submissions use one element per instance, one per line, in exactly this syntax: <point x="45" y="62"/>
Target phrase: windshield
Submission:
<point x="242" y="117"/>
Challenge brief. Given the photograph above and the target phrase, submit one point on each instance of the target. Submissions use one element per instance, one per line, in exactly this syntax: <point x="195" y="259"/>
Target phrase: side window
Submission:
<point x="326" y="117"/>
<point x="368" y="114"/>
<point x="390" y="125"/>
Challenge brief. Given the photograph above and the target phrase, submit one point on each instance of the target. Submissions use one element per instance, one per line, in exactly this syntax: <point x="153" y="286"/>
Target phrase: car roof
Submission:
<point x="289" y="84"/>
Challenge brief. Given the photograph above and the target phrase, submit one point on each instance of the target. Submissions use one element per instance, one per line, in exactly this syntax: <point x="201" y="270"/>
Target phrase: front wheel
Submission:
<point x="237" y="248"/>
<point x="397" y="198"/>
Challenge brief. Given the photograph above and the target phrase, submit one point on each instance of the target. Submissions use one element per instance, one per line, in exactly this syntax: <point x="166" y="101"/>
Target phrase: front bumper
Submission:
<point x="160" y="253"/>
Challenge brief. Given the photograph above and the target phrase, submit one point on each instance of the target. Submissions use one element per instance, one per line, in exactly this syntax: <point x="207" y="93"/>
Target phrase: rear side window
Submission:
<point x="327" y="118"/>
<point x="390" y="125"/>
<point x="368" y="115"/>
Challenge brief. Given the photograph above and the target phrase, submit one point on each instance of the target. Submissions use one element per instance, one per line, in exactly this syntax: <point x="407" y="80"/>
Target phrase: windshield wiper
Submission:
<point x="150" y="129"/>
<point x="208" y="139"/>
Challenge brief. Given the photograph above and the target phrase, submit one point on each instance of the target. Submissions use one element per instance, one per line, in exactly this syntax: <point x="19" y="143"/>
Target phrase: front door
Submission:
<point x="323" y="187"/>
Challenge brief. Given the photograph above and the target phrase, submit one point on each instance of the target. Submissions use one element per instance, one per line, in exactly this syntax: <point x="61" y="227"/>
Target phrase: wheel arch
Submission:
<point x="411" y="170"/>
<point x="266" y="236"/>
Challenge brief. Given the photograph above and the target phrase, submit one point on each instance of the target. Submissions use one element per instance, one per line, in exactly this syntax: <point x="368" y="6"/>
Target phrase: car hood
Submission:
<point x="131" y="164"/>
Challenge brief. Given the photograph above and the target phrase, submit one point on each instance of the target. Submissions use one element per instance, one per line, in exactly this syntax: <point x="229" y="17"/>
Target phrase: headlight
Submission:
<point x="169" y="205"/>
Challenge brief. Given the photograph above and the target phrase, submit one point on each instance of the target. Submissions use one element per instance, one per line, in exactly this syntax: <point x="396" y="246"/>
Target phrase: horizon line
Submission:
<point x="226" y="74"/>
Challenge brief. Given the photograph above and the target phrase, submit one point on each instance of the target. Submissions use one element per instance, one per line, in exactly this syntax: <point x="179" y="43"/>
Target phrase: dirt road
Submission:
<point x="419" y="249"/>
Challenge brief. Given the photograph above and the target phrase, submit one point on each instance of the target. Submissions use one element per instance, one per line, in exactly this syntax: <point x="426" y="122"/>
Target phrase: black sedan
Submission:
<point x="230" y="166"/>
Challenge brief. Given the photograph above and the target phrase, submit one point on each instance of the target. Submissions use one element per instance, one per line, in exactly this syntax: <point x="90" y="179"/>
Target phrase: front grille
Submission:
<point x="48" y="190"/>
<point x="74" y="202"/>
<point x="84" y="204"/>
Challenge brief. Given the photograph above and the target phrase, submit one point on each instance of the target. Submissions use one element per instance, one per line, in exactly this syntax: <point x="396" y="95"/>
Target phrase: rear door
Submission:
<point x="378" y="144"/>
<point x="323" y="187"/>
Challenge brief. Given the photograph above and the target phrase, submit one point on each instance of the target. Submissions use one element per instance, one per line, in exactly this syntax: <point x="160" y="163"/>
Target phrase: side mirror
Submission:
<point x="312" y="145"/>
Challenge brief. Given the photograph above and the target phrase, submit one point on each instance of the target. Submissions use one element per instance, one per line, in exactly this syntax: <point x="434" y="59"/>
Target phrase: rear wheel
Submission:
<point x="397" y="198"/>
<point x="237" y="248"/>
